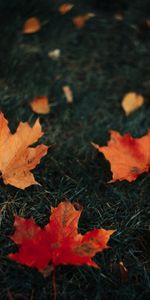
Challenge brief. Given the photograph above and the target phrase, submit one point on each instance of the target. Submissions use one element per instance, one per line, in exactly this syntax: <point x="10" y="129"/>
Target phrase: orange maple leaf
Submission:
<point x="129" y="157"/>
<point x="16" y="158"/>
<point x="59" y="242"/>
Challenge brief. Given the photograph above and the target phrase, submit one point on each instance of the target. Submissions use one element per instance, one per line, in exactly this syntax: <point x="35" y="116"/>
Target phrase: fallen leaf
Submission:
<point x="40" y="105"/>
<point x="31" y="25"/>
<point x="59" y="242"/>
<point x="65" y="8"/>
<point x="119" y="16"/>
<point x="68" y="93"/>
<point x="129" y="157"/>
<point x="131" y="102"/>
<point x="80" y="21"/>
<point x="16" y="157"/>
<point x="55" y="54"/>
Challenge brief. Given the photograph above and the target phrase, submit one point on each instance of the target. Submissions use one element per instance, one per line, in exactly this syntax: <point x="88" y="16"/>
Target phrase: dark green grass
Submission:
<point x="101" y="62"/>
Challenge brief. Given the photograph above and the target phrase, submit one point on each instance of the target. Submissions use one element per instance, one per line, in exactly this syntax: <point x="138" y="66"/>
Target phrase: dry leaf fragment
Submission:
<point x="31" y="25"/>
<point x="79" y="21"/>
<point x="120" y="271"/>
<point x="129" y="157"/>
<point x="68" y="93"/>
<point x="131" y="102"/>
<point x="123" y="272"/>
<point x="55" y="54"/>
<point x="40" y="105"/>
<point x="65" y="8"/>
<point x="59" y="242"/>
<point x="16" y="157"/>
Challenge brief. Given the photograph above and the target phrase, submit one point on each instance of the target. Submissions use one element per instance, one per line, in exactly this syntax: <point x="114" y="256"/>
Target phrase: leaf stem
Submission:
<point x="54" y="283"/>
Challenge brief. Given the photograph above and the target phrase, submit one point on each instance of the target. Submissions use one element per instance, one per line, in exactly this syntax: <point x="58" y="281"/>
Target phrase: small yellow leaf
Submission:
<point x="40" y="105"/>
<point x="31" y="25"/>
<point x="68" y="93"/>
<point x="65" y="8"/>
<point x="131" y="102"/>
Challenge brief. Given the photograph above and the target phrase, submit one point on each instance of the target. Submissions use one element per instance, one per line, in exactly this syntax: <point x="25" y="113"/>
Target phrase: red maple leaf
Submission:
<point x="129" y="157"/>
<point x="59" y="242"/>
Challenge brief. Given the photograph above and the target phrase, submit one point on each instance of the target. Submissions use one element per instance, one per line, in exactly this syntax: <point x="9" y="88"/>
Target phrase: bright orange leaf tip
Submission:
<point x="16" y="157"/>
<point x="59" y="242"/>
<point x="31" y="25"/>
<point x="40" y="105"/>
<point x="129" y="157"/>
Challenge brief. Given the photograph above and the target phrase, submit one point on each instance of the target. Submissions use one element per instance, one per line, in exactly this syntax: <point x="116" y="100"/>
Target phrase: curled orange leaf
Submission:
<point x="31" y="25"/>
<point x="40" y="105"/>
<point x="80" y="21"/>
